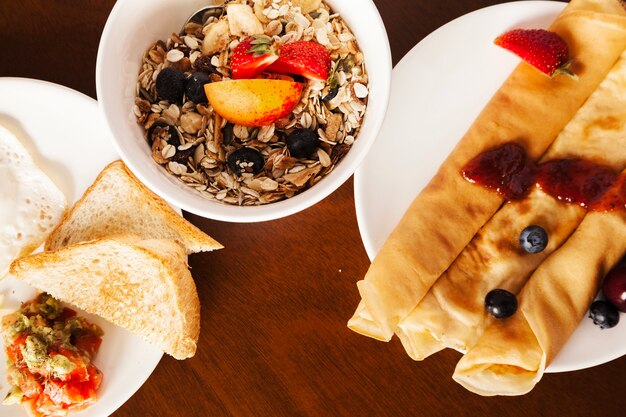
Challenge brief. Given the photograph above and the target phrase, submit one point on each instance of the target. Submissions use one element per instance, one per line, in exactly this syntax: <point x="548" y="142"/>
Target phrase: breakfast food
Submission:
<point x="221" y="101"/>
<point x="31" y="205"/>
<point x="142" y="285"/>
<point x="253" y="102"/>
<point x="542" y="49"/>
<point x="604" y="314"/>
<point x="127" y="252"/>
<point x="500" y="303"/>
<point x="614" y="287"/>
<point x="49" y="351"/>
<point x="50" y="370"/>
<point x="127" y="249"/>
<point x="524" y="232"/>
<point x="118" y="203"/>
<point x="530" y="109"/>
<point x="512" y="354"/>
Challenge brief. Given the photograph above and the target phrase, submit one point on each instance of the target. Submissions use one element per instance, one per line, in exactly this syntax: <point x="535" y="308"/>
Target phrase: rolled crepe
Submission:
<point x="529" y="108"/>
<point x="511" y="356"/>
<point x="452" y="313"/>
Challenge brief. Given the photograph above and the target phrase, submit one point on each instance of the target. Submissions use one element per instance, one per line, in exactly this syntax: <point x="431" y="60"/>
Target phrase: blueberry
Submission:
<point x="603" y="314"/>
<point x="533" y="239"/>
<point x="246" y="160"/>
<point x="170" y="85"/>
<point x="302" y="143"/>
<point x="500" y="303"/>
<point x="194" y="87"/>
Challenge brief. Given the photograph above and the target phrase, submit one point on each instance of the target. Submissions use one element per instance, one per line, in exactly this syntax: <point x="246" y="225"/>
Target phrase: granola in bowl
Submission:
<point x="244" y="161"/>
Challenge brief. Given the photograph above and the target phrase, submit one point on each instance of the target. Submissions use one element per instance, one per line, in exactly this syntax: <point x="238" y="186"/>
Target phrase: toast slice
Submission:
<point x="143" y="286"/>
<point x="117" y="202"/>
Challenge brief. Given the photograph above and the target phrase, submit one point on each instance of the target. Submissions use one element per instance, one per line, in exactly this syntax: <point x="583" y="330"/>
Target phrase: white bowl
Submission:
<point x="134" y="25"/>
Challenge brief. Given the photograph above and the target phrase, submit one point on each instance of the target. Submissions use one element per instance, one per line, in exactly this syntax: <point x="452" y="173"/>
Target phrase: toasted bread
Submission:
<point x="143" y="286"/>
<point x="118" y="203"/>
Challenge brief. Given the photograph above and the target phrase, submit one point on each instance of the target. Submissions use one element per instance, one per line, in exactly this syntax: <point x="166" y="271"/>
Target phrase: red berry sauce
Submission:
<point x="615" y="197"/>
<point x="505" y="169"/>
<point x="508" y="171"/>
<point x="576" y="181"/>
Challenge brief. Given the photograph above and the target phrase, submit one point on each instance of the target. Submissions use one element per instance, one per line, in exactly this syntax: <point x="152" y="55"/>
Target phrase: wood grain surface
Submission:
<point x="275" y="302"/>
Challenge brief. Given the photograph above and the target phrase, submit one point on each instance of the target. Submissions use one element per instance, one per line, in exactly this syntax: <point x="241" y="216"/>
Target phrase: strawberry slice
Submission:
<point x="252" y="56"/>
<point x="305" y="58"/>
<point x="542" y="49"/>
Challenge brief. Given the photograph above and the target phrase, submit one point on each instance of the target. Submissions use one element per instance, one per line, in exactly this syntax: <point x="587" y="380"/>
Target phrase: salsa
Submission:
<point x="49" y="350"/>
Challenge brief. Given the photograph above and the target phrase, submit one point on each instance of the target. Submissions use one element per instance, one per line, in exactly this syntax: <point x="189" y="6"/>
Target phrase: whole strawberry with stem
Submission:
<point x="252" y="56"/>
<point x="543" y="49"/>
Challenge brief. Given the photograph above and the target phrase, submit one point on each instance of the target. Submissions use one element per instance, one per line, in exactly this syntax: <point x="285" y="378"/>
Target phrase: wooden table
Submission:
<point x="275" y="302"/>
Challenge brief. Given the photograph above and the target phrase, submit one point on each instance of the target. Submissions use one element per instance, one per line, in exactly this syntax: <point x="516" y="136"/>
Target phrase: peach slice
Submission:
<point x="257" y="102"/>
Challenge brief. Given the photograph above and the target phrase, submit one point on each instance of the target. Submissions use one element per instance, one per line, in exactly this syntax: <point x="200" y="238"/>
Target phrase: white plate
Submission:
<point x="62" y="130"/>
<point x="437" y="91"/>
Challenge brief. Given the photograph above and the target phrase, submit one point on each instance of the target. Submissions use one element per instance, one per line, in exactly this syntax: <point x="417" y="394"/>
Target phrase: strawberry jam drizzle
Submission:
<point x="576" y="181"/>
<point x="508" y="171"/>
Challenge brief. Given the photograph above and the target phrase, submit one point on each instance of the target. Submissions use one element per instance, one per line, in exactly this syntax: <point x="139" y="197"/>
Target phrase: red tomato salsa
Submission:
<point x="49" y="350"/>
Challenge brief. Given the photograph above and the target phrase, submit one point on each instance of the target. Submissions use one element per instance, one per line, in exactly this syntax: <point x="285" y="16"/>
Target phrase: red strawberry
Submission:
<point x="544" y="50"/>
<point x="305" y="58"/>
<point x="252" y="56"/>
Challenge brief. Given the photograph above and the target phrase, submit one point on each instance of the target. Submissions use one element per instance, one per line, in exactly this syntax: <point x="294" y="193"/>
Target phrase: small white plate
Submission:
<point x="63" y="131"/>
<point x="438" y="89"/>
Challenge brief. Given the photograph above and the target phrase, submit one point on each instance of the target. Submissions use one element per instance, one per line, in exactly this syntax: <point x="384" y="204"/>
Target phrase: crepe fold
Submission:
<point x="452" y="313"/>
<point x="511" y="356"/>
<point x="529" y="108"/>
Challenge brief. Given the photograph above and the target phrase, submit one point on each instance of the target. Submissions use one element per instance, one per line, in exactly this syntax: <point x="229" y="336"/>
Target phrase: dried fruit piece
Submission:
<point x="203" y="63"/>
<point x="542" y="49"/>
<point x="242" y="21"/>
<point x="252" y="56"/>
<point x="216" y="37"/>
<point x="162" y="130"/>
<point x="306" y="58"/>
<point x="253" y="102"/>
